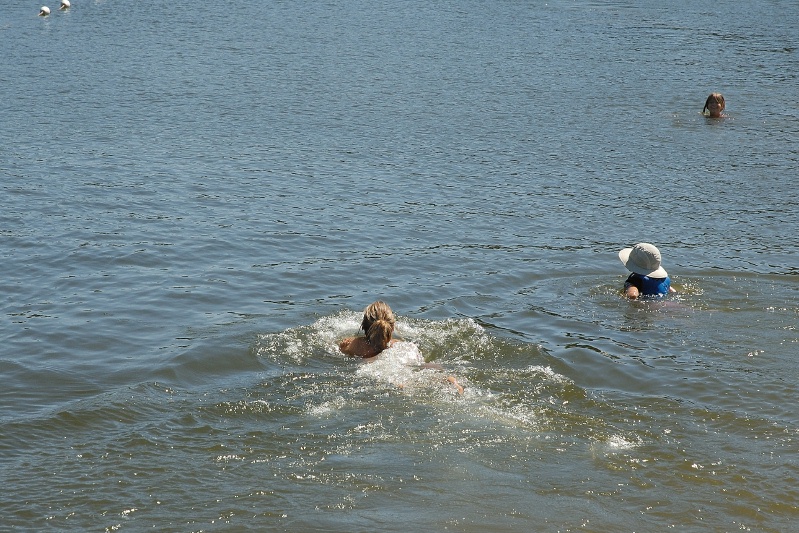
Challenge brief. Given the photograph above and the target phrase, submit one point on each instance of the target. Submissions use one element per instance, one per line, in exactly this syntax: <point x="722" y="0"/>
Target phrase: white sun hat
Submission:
<point x="644" y="259"/>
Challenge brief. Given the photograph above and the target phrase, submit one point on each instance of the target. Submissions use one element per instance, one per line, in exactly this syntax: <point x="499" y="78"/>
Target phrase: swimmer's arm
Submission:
<point x="631" y="291"/>
<point x="631" y="287"/>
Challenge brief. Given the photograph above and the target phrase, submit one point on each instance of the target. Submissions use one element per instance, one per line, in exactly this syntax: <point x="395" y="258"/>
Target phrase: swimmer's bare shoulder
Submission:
<point x="358" y="347"/>
<point x="351" y="346"/>
<point x="344" y="345"/>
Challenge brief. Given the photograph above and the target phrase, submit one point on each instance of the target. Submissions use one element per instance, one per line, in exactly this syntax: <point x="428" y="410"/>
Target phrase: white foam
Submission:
<point x="327" y="408"/>
<point x="617" y="442"/>
<point x="392" y="365"/>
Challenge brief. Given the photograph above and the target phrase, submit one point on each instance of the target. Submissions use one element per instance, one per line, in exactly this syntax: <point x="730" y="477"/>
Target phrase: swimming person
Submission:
<point x="714" y="105"/>
<point x="648" y="277"/>
<point x="378" y="325"/>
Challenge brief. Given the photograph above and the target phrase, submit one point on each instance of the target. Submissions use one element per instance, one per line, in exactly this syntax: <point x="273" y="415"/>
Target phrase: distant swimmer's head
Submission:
<point x="65" y="4"/>
<point x="44" y="11"/>
<point x="714" y="105"/>
<point x="374" y="312"/>
<point x="379" y="334"/>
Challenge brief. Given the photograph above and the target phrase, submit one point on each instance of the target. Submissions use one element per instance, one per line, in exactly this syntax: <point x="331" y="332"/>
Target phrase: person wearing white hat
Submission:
<point x="648" y="277"/>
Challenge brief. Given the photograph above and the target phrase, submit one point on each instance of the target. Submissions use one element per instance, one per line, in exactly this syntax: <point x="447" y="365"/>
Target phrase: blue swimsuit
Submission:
<point x="649" y="286"/>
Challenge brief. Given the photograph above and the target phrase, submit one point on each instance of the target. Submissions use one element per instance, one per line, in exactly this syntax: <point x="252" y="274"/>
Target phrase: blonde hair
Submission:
<point x="374" y="312"/>
<point x="714" y="97"/>
<point x="379" y="334"/>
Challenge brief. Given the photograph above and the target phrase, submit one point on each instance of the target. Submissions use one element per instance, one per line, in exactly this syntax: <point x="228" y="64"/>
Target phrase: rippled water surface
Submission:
<point x="198" y="200"/>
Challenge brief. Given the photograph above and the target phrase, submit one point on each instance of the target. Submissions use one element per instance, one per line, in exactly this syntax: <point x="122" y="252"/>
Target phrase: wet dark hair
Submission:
<point x="374" y="312"/>
<point x="379" y="334"/>
<point x="714" y="97"/>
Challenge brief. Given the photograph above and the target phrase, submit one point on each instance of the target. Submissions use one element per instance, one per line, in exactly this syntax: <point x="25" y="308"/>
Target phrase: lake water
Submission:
<point x="199" y="199"/>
